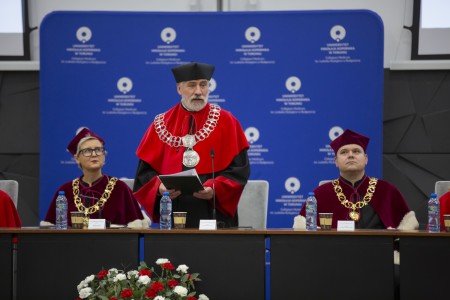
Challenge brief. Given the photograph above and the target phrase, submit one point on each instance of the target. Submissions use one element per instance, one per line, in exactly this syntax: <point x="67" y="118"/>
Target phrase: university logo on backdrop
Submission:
<point x="338" y="33"/>
<point x="168" y="35"/>
<point x="84" y="34"/>
<point x="252" y="51"/>
<point x="212" y="85"/>
<point x="214" y="98"/>
<point x="124" y="102"/>
<point x="258" y="154"/>
<point x="168" y="52"/>
<point x="325" y="154"/>
<point x="292" y="185"/>
<point x="252" y="34"/>
<point x="252" y="134"/>
<point x="294" y="102"/>
<point x="293" y="84"/>
<point x="124" y="85"/>
<point x="335" y="132"/>
<point x="290" y="201"/>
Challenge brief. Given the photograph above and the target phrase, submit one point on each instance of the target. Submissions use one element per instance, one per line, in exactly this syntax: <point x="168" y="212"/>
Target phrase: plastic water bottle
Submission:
<point x="433" y="214"/>
<point x="311" y="212"/>
<point x="165" y="212"/>
<point x="61" y="211"/>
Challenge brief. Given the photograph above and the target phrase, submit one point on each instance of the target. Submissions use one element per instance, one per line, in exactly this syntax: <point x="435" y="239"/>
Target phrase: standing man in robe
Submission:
<point x="193" y="134"/>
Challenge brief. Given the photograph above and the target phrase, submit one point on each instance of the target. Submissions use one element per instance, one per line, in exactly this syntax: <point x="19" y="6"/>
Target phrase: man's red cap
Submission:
<point x="349" y="137"/>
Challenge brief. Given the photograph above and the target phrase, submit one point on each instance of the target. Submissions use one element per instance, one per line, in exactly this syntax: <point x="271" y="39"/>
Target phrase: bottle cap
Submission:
<point x="61" y="193"/>
<point x="311" y="194"/>
<point x="433" y="195"/>
<point x="166" y="194"/>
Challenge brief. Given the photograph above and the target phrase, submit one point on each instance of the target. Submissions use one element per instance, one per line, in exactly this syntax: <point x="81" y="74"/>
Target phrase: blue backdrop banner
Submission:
<point x="295" y="80"/>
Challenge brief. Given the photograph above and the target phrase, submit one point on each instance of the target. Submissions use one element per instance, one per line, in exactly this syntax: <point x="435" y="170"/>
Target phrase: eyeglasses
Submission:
<point x="87" y="152"/>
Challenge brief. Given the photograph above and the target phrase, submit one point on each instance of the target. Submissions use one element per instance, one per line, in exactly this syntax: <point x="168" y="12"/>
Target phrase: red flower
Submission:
<point x="191" y="298"/>
<point x="126" y="293"/>
<point x="145" y="272"/>
<point x="157" y="286"/>
<point x="168" y="266"/>
<point x="150" y="293"/>
<point x="102" y="274"/>
<point x="113" y="298"/>
<point x="172" y="283"/>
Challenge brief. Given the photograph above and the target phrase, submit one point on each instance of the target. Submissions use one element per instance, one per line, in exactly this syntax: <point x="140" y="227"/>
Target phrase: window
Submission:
<point x="14" y="43"/>
<point x="431" y="30"/>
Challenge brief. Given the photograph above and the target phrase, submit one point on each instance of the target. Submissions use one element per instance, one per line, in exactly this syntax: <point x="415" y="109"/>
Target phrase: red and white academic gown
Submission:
<point x="8" y="212"/>
<point x="386" y="209"/>
<point x="120" y="209"/>
<point x="231" y="165"/>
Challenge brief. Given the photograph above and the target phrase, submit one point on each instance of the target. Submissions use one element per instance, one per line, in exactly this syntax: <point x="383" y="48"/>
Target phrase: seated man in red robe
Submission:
<point x="8" y="212"/>
<point x="370" y="202"/>
<point x="188" y="136"/>
<point x="97" y="195"/>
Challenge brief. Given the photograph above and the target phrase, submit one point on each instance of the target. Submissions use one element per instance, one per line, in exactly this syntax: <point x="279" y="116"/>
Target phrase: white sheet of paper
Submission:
<point x="208" y="225"/>
<point x="97" y="224"/>
<point x="346" y="226"/>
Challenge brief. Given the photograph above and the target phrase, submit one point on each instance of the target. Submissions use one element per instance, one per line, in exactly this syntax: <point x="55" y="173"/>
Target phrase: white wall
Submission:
<point x="395" y="14"/>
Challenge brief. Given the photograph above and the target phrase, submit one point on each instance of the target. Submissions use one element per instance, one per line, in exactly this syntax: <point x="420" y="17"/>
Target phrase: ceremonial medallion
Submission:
<point x="190" y="158"/>
<point x="188" y="141"/>
<point x="86" y="221"/>
<point x="354" y="215"/>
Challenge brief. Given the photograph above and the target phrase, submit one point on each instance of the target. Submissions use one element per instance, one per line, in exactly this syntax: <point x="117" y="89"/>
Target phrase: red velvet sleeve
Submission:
<point x="146" y="196"/>
<point x="8" y="212"/>
<point x="228" y="193"/>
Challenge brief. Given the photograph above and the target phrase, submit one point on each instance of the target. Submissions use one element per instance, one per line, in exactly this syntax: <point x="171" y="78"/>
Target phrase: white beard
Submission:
<point x="194" y="106"/>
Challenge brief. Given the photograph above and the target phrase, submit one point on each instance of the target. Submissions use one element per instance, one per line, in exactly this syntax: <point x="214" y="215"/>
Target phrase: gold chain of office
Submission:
<point x="353" y="214"/>
<point x="99" y="204"/>
<point x="176" y="141"/>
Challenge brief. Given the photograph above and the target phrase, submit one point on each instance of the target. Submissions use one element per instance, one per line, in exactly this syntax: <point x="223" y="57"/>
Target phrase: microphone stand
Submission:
<point x="213" y="187"/>
<point x="100" y="211"/>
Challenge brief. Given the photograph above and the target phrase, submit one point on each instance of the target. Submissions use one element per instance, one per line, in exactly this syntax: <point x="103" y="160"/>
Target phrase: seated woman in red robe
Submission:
<point x="97" y="195"/>
<point x="8" y="212"/>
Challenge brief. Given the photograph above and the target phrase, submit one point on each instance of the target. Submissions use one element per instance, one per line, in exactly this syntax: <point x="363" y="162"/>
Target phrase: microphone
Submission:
<point x="87" y="201"/>
<point x="213" y="187"/>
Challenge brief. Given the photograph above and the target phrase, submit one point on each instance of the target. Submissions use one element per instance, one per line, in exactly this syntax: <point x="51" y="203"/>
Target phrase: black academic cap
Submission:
<point x="193" y="71"/>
